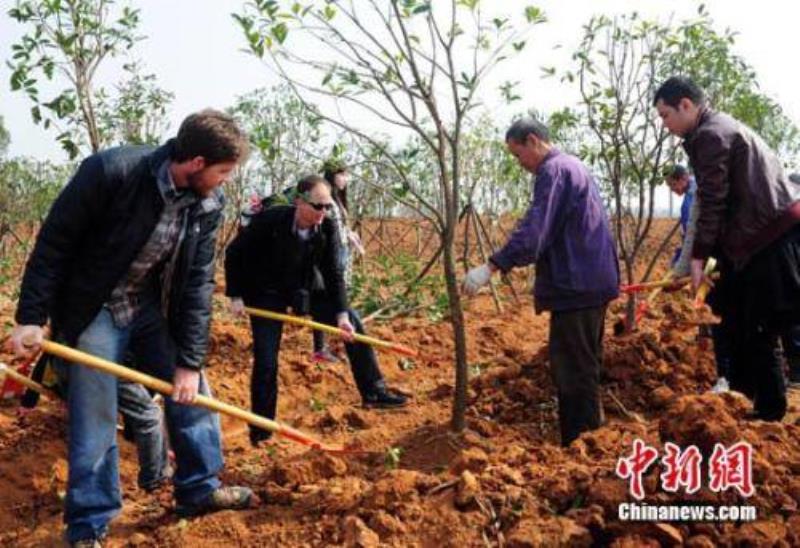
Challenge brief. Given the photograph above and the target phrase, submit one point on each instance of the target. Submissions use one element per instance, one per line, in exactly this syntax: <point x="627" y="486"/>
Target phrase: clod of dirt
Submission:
<point x="688" y="422"/>
<point x="338" y="495"/>
<point x="386" y="524"/>
<point x="293" y="473"/>
<point x="548" y="531"/>
<point x="139" y="539"/>
<point x="442" y="391"/>
<point x="328" y="466"/>
<point x="666" y="534"/>
<point x="357" y="534"/>
<point x="357" y="420"/>
<point x="472" y="459"/>
<point x="760" y="533"/>
<point x="340" y="416"/>
<point x="700" y="541"/>
<point x="332" y="417"/>
<point x="608" y="493"/>
<point x="398" y="486"/>
<point x="662" y="396"/>
<point x="467" y="489"/>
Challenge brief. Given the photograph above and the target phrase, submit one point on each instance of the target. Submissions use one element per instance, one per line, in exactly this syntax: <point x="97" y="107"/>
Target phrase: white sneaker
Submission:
<point x="721" y="386"/>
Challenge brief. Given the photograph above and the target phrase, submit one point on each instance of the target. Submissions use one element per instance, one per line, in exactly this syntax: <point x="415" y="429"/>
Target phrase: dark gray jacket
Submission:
<point x="93" y="233"/>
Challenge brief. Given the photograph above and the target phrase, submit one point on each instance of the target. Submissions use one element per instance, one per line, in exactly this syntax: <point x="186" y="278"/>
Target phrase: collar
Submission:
<point x="705" y="113"/>
<point x="547" y="157"/>
<point x="161" y="158"/>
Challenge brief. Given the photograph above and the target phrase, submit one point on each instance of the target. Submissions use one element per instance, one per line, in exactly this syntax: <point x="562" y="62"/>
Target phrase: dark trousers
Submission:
<point x="576" y="354"/>
<point x="759" y="303"/>
<point x="757" y="371"/>
<point x="723" y="340"/>
<point x="790" y="340"/>
<point x="316" y="315"/>
<point x="266" y="346"/>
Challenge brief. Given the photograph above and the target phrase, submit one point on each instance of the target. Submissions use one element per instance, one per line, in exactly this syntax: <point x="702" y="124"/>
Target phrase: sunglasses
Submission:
<point x="321" y="207"/>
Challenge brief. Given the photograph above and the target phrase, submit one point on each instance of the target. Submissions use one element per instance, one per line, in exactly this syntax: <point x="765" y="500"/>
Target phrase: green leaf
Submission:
<point x="329" y="12"/>
<point x="534" y="15"/>
<point x="422" y="8"/>
<point x="280" y="32"/>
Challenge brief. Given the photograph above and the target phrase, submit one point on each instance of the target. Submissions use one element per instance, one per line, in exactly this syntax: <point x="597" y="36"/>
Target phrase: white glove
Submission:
<point x="476" y="278"/>
<point x="26" y="339"/>
<point x="236" y="306"/>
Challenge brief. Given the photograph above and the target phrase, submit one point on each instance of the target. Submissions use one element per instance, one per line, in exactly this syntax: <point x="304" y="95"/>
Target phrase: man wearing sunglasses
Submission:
<point x="270" y="265"/>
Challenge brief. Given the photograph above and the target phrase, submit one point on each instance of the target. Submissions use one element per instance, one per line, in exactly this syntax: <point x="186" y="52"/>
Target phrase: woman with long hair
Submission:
<point x="336" y="174"/>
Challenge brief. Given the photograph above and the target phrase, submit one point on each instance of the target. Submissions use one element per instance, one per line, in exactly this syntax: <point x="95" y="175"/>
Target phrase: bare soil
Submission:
<point x="504" y="482"/>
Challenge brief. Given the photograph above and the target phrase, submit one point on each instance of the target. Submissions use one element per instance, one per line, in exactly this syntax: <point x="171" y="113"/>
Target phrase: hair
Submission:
<point x="676" y="172"/>
<point x="527" y="125"/>
<point x="679" y="87"/>
<point x="211" y="134"/>
<point x="309" y="183"/>
<point x="330" y="169"/>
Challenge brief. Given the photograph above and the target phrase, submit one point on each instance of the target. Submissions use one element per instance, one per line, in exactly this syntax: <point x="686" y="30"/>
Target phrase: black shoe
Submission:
<point x="257" y="437"/>
<point x="385" y="399"/>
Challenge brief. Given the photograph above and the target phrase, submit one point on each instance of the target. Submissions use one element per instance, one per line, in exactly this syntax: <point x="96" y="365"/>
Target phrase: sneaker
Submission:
<point x="385" y="399"/>
<point x="721" y="386"/>
<point x="325" y="356"/>
<point x="232" y="497"/>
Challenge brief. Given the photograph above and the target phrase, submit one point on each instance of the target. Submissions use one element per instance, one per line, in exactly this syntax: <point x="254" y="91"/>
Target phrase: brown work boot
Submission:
<point x="232" y="497"/>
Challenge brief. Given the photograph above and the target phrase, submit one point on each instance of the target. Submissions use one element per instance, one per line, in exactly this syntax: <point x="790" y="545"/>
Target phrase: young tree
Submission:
<point x="618" y="66"/>
<point x="286" y="135"/>
<point x="137" y="113"/>
<point x="70" y="38"/>
<point x="730" y="82"/>
<point x="402" y="64"/>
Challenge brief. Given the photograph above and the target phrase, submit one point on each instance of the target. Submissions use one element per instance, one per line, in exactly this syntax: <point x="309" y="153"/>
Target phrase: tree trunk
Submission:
<point x="630" y="305"/>
<point x="458" y="421"/>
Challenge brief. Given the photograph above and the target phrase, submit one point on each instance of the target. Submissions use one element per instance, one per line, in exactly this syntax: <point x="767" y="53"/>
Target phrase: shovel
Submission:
<point x="397" y="348"/>
<point x="212" y="404"/>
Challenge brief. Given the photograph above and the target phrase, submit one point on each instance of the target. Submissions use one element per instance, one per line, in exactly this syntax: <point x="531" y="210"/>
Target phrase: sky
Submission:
<point x="196" y="51"/>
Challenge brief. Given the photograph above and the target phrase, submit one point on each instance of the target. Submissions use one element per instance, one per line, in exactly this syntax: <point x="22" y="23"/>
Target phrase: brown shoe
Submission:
<point x="232" y="497"/>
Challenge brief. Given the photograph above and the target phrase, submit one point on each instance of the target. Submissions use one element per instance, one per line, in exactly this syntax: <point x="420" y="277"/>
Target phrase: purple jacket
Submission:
<point x="566" y="233"/>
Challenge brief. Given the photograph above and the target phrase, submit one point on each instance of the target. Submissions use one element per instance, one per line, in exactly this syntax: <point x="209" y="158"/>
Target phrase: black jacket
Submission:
<point x="94" y="231"/>
<point x="266" y="261"/>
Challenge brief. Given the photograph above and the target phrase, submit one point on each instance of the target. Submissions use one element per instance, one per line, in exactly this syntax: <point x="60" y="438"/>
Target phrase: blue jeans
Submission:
<point x="143" y="416"/>
<point x="93" y="493"/>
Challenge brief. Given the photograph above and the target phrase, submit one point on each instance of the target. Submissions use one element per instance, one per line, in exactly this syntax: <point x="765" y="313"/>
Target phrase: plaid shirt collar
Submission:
<point x="166" y="184"/>
<point x="170" y="193"/>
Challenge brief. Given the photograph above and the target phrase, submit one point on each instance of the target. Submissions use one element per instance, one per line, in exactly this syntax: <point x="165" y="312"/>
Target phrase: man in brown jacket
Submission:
<point x="748" y="219"/>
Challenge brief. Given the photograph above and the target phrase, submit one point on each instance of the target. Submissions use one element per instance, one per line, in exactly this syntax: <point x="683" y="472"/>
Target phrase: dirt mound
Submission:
<point x="687" y="421"/>
<point x="505" y="480"/>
